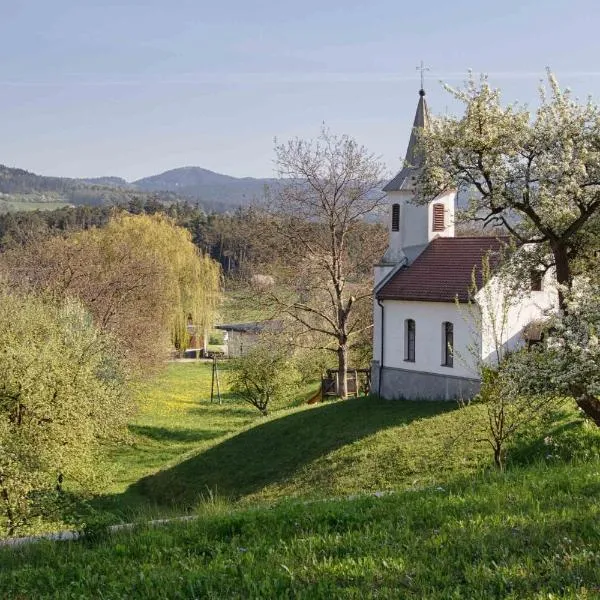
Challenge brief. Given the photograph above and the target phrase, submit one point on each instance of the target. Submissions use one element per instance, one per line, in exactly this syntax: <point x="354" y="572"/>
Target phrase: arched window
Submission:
<point x="439" y="218"/>
<point x="395" y="217"/>
<point x="409" y="340"/>
<point x="447" y="344"/>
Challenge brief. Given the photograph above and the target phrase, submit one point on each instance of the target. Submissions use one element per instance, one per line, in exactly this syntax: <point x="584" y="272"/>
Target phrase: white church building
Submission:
<point x="431" y="329"/>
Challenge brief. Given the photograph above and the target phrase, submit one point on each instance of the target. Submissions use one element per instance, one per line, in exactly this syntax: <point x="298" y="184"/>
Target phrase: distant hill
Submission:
<point x="213" y="191"/>
<point x="204" y="185"/>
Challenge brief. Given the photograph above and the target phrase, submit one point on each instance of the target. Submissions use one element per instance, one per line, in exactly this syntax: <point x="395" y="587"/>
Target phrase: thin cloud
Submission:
<point x="254" y="78"/>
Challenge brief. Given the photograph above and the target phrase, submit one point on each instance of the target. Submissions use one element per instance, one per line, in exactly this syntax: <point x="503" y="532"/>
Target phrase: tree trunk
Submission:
<point x="8" y="511"/>
<point x="563" y="271"/>
<point x="343" y="369"/>
<point x="590" y="406"/>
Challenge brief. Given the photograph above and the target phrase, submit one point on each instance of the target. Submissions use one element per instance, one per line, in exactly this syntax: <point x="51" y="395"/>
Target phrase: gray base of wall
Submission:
<point x="401" y="384"/>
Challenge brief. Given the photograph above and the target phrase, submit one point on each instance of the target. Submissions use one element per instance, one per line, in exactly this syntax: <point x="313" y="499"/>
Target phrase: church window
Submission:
<point x="409" y="340"/>
<point x="448" y="344"/>
<point x="438" y="217"/>
<point x="395" y="217"/>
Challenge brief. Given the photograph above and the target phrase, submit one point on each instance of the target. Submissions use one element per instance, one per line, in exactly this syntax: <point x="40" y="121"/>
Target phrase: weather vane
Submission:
<point x="423" y="68"/>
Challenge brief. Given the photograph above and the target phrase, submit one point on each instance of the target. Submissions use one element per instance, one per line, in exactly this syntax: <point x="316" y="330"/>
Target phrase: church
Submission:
<point x="431" y="330"/>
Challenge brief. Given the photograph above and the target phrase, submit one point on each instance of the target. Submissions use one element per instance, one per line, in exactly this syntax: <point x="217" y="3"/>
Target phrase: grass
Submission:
<point x="361" y="498"/>
<point x="16" y="206"/>
<point x="531" y="533"/>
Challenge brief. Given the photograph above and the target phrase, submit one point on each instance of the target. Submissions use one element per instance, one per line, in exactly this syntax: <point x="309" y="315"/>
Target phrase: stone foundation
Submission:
<point x="402" y="384"/>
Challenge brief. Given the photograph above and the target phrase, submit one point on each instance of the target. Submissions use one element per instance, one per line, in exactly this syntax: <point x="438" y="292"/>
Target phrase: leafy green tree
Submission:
<point x="62" y="391"/>
<point x="264" y="375"/>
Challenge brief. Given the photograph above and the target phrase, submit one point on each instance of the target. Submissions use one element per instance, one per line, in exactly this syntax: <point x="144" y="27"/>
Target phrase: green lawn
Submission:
<point x="349" y="499"/>
<point x="186" y="449"/>
<point x="531" y="533"/>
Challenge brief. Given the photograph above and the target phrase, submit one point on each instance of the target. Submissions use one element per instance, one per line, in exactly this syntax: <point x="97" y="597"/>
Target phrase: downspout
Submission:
<point x="382" y="329"/>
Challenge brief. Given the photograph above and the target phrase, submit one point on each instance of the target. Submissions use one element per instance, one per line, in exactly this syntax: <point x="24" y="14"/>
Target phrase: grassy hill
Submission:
<point x="361" y="498"/>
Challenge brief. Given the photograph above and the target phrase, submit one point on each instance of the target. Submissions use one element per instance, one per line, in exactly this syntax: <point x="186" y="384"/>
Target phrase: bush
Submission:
<point x="62" y="390"/>
<point x="264" y="375"/>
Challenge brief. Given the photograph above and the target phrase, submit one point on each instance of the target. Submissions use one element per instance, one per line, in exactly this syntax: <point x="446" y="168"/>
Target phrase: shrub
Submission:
<point x="62" y="390"/>
<point x="264" y="375"/>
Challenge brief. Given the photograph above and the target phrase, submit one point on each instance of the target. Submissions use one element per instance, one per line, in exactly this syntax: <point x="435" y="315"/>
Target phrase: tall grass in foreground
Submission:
<point x="531" y="533"/>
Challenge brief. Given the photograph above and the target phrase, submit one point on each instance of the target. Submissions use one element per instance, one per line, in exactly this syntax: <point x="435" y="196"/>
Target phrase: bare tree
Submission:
<point x="331" y="187"/>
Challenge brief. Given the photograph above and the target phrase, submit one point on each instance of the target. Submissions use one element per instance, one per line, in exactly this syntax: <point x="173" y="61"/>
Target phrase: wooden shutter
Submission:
<point x="395" y="217"/>
<point x="438" y="217"/>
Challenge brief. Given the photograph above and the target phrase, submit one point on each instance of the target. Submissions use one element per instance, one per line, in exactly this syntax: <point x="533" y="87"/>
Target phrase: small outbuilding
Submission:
<point x="239" y="337"/>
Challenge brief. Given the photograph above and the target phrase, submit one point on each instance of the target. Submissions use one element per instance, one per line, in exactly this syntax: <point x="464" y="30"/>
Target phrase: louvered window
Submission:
<point x="438" y="217"/>
<point x="395" y="217"/>
<point x="409" y="340"/>
<point x="448" y="344"/>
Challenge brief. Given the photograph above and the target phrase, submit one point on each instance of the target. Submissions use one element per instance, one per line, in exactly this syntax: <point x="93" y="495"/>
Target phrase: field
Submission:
<point x="14" y="204"/>
<point x="361" y="498"/>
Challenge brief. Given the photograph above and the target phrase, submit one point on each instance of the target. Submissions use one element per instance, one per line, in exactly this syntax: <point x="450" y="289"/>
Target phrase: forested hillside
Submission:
<point x="23" y="190"/>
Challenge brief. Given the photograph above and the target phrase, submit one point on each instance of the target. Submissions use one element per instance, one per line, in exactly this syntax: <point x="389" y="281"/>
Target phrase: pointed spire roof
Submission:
<point x="414" y="157"/>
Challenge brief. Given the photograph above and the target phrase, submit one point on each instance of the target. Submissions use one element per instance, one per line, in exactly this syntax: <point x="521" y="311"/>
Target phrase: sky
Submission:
<point x="132" y="88"/>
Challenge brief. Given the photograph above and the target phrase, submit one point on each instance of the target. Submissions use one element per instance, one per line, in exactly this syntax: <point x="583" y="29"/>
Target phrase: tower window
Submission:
<point x="409" y="340"/>
<point x="395" y="217"/>
<point x="438" y="217"/>
<point x="447" y="344"/>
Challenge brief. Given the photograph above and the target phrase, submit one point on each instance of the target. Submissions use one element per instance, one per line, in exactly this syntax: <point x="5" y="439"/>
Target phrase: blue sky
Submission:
<point x="132" y="87"/>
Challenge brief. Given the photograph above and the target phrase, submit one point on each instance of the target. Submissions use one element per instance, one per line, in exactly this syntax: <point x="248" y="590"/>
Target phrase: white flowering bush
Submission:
<point x="573" y="349"/>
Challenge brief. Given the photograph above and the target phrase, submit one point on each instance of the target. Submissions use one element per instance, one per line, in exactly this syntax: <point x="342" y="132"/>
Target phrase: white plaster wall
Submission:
<point x="416" y="222"/>
<point x="504" y="315"/>
<point x="428" y="317"/>
<point x="395" y="238"/>
<point x="376" y="331"/>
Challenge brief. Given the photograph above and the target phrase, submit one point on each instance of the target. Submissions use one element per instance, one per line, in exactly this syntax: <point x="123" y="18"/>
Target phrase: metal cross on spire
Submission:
<point x="422" y="68"/>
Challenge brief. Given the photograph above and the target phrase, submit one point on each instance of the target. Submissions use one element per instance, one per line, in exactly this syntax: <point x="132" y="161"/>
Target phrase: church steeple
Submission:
<point x="413" y="160"/>
<point x="413" y="223"/>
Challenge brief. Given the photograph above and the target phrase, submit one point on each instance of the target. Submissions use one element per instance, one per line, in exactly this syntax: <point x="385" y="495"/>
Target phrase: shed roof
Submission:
<point x="250" y="327"/>
<point x="443" y="271"/>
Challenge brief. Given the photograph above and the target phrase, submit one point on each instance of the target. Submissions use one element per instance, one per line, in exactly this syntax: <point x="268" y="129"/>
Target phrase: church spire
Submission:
<point x="413" y="160"/>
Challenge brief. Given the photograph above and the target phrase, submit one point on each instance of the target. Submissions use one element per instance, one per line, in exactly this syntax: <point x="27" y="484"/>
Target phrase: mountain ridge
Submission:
<point x="214" y="191"/>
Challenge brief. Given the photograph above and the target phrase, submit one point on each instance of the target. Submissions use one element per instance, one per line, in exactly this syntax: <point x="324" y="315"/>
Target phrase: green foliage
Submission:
<point x="311" y="364"/>
<point x="141" y="278"/>
<point x="264" y="375"/>
<point x="61" y="391"/>
<point x="527" y="534"/>
<point x="511" y="403"/>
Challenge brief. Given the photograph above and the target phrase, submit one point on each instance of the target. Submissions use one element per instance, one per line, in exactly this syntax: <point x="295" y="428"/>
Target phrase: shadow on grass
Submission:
<point x="165" y="434"/>
<point x="276" y="450"/>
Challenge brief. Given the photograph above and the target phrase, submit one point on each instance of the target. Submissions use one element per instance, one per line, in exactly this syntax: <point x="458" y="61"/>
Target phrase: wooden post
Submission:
<point x="212" y="383"/>
<point x="217" y="378"/>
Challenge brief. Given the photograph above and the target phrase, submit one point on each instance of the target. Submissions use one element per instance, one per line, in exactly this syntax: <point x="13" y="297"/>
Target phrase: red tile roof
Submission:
<point x="443" y="271"/>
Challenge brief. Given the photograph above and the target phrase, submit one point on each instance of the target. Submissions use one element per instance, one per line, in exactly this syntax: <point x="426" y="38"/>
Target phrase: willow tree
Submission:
<point x="141" y="277"/>
<point x="536" y="175"/>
